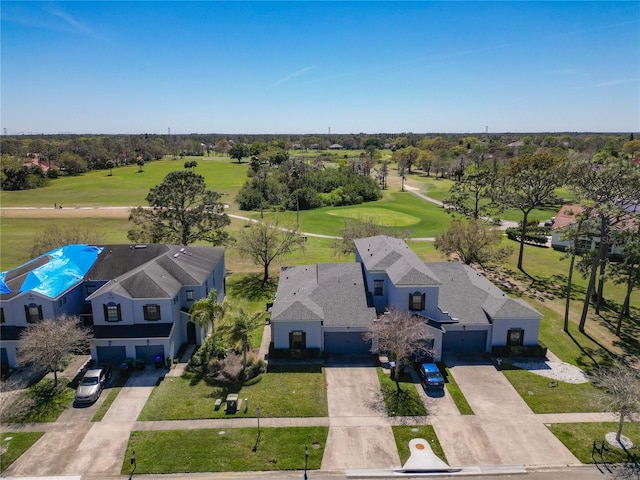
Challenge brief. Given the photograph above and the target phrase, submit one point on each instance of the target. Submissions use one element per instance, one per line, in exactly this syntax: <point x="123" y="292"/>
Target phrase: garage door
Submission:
<point x="111" y="355"/>
<point x="352" y="342"/>
<point x="148" y="352"/>
<point x="469" y="341"/>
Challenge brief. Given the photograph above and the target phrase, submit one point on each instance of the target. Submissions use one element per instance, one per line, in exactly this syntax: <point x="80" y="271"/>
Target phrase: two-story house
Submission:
<point x="464" y="312"/>
<point x="136" y="297"/>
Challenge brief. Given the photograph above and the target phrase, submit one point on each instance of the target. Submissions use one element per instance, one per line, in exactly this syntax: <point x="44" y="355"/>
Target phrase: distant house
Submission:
<point x="335" y="146"/>
<point x="136" y="297"/>
<point x="329" y="306"/>
<point x="566" y="217"/>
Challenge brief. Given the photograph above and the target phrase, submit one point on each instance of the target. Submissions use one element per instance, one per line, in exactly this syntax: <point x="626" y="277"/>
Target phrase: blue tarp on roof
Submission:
<point x="66" y="267"/>
<point x="3" y="286"/>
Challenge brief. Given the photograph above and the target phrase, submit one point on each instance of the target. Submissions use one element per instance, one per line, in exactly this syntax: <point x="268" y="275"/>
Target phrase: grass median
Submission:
<point x="403" y="434"/>
<point x="579" y="438"/>
<point x="401" y="399"/>
<point x="225" y="450"/>
<point x="15" y="444"/>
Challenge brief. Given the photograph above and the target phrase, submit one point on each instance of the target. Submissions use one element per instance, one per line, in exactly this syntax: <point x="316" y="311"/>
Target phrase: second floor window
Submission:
<point x="416" y="301"/>
<point x="377" y="287"/>
<point x="112" y="312"/>
<point x="189" y="295"/>
<point x="151" y="312"/>
<point x="33" y="312"/>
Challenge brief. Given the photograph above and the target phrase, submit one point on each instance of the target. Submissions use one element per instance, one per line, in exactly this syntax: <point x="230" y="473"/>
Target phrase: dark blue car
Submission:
<point x="431" y="376"/>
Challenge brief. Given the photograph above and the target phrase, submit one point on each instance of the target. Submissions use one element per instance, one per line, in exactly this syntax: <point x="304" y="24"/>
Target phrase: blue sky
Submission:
<point x="307" y="67"/>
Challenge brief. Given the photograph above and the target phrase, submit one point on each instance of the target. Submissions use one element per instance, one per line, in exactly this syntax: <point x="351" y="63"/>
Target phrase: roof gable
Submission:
<point x="333" y="293"/>
<point x="393" y="256"/>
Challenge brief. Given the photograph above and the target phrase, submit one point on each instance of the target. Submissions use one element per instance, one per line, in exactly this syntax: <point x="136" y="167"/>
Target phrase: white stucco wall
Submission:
<point x="502" y="326"/>
<point x="280" y="333"/>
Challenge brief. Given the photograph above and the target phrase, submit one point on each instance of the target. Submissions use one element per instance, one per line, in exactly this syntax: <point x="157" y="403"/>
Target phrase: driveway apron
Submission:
<point x="360" y="434"/>
<point x="80" y="446"/>
<point x="503" y="430"/>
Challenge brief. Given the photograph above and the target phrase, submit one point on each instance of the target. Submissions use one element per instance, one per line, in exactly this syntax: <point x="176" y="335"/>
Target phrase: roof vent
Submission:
<point x="140" y="246"/>
<point x="176" y="255"/>
<point x="182" y="249"/>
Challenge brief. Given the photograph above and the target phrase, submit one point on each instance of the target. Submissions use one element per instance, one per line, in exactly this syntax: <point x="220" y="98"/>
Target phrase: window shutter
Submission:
<point x="119" y="314"/>
<point x="410" y="301"/>
<point x="39" y="312"/>
<point x="106" y="312"/>
<point x="422" y="301"/>
<point x="26" y="312"/>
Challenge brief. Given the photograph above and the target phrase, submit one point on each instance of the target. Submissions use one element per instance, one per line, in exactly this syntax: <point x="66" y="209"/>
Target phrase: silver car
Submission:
<point x="91" y="385"/>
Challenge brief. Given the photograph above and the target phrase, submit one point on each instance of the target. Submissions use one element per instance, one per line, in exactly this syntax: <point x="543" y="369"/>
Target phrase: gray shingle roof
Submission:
<point x="468" y="296"/>
<point x="159" y="272"/>
<point x="392" y="255"/>
<point x="331" y="292"/>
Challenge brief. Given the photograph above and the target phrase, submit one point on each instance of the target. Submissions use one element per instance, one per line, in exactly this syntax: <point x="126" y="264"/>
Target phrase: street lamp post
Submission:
<point x="133" y="462"/>
<point x="306" y="461"/>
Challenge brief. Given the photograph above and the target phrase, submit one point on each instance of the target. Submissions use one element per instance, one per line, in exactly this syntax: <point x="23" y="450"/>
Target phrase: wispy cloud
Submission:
<point x="286" y="78"/>
<point x="72" y="23"/>
<point x="613" y="83"/>
<point x="565" y="71"/>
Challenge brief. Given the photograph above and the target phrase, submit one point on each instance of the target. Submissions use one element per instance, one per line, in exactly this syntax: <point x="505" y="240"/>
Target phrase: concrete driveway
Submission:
<point x="360" y="434"/>
<point x="80" y="447"/>
<point x="503" y="430"/>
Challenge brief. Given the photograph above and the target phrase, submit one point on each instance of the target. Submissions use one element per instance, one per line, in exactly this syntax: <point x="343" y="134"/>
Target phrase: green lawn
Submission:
<point x="579" y="438"/>
<point x="287" y="391"/>
<point x="454" y="390"/>
<point x="403" y="434"/>
<point x="228" y="450"/>
<point x="407" y="211"/>
<point x="403" y="402"/>
<point x="48" y="403"/>
<point x="14" y="444"/>
<point x="544" y="396"/>
<point x="127" y="186"/>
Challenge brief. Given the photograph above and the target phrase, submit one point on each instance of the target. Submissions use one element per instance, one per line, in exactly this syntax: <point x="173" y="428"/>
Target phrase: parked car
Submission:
<point x="431" y="376"/>
<point x="91" y="385"/>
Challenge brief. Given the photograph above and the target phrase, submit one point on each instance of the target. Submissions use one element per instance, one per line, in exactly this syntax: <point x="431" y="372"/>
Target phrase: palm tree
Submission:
<point x="208" y="310"/>
<point x="239" y="329"/>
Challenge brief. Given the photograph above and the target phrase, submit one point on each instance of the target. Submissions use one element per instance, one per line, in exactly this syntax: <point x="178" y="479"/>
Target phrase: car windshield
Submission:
<point x="433" y="375"/>
<point x="89" y="381"/>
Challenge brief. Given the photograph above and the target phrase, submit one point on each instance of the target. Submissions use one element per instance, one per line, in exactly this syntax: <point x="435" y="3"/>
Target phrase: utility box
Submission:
<point x="231" y="403"/>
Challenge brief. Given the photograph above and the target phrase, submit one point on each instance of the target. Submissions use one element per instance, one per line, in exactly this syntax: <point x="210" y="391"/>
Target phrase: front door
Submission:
<point x="297" y="340"/>
<point x="191" y="333"/>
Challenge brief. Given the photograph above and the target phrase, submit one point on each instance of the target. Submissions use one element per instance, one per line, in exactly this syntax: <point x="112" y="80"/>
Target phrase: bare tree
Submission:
<point x="55" y="236"/>
<point x="263" y="243"/>
<point x="47" y="343"/>
<point x="472" y="241"/>
<point x="620" y="391"/>
<point x="403" y="336"/>
<point x="363" y="227"/>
